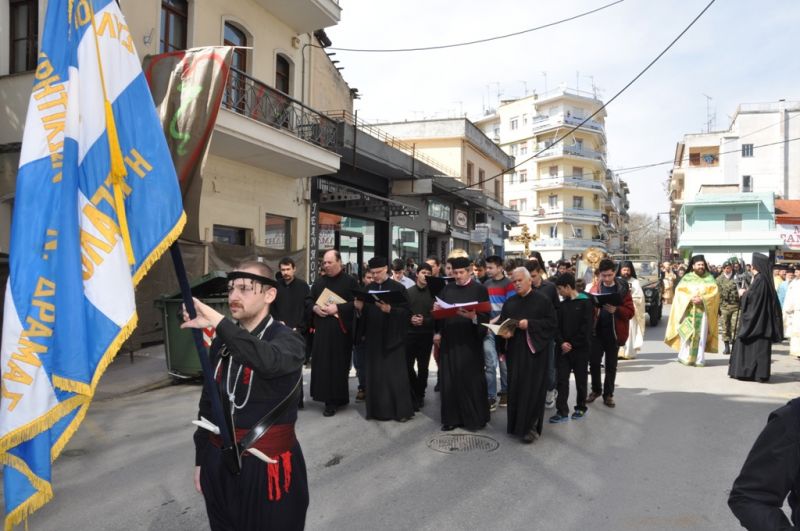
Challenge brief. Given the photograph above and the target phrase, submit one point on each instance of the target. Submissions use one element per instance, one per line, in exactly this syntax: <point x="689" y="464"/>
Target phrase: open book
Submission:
<point x="375" y="295"/>
<point x="509" y="325"/>
<point x="447" y="309"/>
<point x="328" y="297"/>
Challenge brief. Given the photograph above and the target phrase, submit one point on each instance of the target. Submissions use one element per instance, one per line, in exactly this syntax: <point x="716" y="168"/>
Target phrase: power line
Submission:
<point x="601" y="108"/>
<point x="479" y="41"/>
<point x="625" y="171"/>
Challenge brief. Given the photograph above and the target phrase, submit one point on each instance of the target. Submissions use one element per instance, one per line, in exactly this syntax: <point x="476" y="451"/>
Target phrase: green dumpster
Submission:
<point x="182" y="360"/>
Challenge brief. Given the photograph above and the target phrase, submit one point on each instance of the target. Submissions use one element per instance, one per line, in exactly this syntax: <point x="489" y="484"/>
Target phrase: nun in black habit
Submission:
<point x="760" y="325"/>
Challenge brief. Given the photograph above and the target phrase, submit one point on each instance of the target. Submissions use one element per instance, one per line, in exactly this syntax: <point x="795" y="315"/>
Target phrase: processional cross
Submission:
<point x="525" y="238"/>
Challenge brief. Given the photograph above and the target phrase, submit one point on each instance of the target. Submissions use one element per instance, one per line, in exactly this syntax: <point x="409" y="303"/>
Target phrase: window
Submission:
<point x="524" y="119"/>
<point x="498" y="190"/>
<point x="552" y="201"/>
<point x="747" y="183"/>
<point x="514" y="149"/>
<point x="578" y="233"/>
<point x="24" y="16"/>
<point x="523" y="205"/>
<point x="523" y="148"/>
<point x="577" y="171"/>
<point x="511" y="177"/>
<point x="694" y="159"/>
<point x="514" y="123"/>
<point x="523" y="176"/>
<point x="554" y="231"/>
<point x="577" y="201"/>
<point x="733" y="222"/>
<point x="277" y="233"/>
<point x="482" y="178"/>
<point x="513" y="204"/>
<point x="235" y="94"/>
<point x="553" y="171"/>
<point x="497" y="132"/>
<point x="283" y="70"/>
<point x="747" y="150"/>
<point x="439" y="210"/>
<point x="174" y="17"/>
<point x="231" y="235"/>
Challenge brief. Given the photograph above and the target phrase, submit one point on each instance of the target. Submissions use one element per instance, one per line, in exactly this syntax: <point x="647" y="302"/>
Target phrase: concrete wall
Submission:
<point x="239" y="195"/>
<point x="328" y="91"/>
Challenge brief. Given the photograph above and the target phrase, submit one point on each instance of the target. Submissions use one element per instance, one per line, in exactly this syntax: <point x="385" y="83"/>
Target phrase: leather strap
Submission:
<point x="267" y="421"/>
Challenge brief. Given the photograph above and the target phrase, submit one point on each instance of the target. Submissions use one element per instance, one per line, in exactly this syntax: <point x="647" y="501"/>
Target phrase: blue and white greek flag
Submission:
<point x="92" y="144"/>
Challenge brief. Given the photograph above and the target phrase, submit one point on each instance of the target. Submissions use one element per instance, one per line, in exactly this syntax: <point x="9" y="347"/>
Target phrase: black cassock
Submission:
<point x="290" y="304"/>
<point x="769" y="474"/>
<point x="462" y="378"/>
<point x="527" y="369"/>
<point x="333" y="342"/>
<point x="760" y="325"/>
<point x="388" y="387"/>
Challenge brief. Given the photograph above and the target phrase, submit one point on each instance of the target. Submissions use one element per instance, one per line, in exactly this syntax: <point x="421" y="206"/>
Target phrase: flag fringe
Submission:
<point x="171" y="237"/>
<point x="43" y="495"/>
<point x="35" y="427"/>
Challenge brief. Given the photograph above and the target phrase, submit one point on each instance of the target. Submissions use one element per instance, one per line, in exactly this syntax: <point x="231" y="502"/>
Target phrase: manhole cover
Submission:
<point x="459" y="443"/>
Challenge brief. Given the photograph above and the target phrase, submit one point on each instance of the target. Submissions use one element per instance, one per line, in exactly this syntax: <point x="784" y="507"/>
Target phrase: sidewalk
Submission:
<point x="144" y="370"/>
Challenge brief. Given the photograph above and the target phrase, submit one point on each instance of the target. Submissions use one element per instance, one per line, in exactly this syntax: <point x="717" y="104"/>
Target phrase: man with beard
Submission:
<point x="527" y="356"/>
<point x="333" y="335"/>
<point x="460" y="339"/>
<point x="692" y="326"/>
<point x="258" y="364"/>
<point x="386" y="325"/>
<point x="420" y="335"/>
<point x="635" y="340"/>
<point x="290" y="305"/>
<point x="729" y="304"/>
<point x="760" y="325"/>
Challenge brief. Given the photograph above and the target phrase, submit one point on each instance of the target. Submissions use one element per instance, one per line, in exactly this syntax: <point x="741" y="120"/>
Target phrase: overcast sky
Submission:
<point x="739" y="51"/>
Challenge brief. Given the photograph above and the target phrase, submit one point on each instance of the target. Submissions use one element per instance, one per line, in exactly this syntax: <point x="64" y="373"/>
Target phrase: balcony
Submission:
<point x="305" y="16"/>
<point x="581" y="214"/>
<point x="573" y="150"/>
<point x="543" y="123"/>
<point x="576" y="244"/>
<point x="263" y="127"/>
<point x="568" y="182"/>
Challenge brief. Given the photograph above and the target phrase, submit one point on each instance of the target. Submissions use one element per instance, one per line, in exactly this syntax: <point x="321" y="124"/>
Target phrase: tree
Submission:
<point x="646" y="234"/>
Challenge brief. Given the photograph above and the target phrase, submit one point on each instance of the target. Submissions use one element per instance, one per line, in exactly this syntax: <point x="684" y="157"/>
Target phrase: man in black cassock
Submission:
<point x="760" y="325"/>
<point x="257" y="362"/>
<point x="527" y="355"/>
<point x="388" y="388"/>
<point x="462" y="377"/>
<point x="333" y="335"/>
<point x="290" y="305"/>
<point x="769" y="474"/>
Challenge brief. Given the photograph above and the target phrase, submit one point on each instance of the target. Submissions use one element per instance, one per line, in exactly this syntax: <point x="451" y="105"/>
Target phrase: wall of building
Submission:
<point x="328" y="91"/>
<point x="239" y="195"/>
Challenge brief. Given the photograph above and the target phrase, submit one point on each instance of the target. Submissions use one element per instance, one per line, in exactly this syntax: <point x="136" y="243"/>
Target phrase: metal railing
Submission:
<point x="392" y="141"/>
<point x="250" y="97"/>
<point x="575" y="182"/>
<point x="544" y="122"/>
<point x="560" y="149"/>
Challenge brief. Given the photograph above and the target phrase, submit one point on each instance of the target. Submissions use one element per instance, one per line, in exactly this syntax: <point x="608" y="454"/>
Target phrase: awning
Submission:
<point x="346" y="197"/>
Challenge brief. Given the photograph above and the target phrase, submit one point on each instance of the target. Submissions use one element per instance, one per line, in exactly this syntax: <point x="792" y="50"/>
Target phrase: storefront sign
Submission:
<point x="460" y="234"/>
<point x="313" y="241"/>
<point x="438" y="226"/>
<point x="790" y="234"/>
<point x="460" y="219"/>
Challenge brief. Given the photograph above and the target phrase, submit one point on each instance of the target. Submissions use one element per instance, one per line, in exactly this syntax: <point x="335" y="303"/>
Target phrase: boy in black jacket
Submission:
<point x="573" y="336"/>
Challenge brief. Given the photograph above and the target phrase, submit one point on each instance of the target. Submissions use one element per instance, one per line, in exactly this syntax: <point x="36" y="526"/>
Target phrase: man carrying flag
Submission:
<point x="97" y="203"/>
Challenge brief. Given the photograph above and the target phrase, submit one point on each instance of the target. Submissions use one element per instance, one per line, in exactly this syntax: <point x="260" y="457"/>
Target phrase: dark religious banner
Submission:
<point x="188" y="87"/>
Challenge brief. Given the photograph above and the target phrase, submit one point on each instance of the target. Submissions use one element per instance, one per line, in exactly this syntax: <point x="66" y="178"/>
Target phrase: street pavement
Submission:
<point x="663" y="459"/>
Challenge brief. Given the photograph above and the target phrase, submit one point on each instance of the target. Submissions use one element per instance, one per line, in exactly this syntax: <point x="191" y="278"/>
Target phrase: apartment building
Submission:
<point x="561" y="187"/>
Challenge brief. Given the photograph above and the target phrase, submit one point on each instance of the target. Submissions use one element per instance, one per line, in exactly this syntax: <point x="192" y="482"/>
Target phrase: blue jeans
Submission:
<point x="490" y="362"/>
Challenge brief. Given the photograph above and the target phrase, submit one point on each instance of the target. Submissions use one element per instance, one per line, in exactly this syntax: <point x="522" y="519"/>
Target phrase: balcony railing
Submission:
<point x="574" y="212"/>
<point x="545" y="122"/>
<point x="566" y="243"/>
<point x="572" y="182"/>
<point x="250" y="97"/>
<point x="560" y="150"/>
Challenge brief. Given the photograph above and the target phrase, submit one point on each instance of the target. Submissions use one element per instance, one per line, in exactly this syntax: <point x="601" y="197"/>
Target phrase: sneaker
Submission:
<point x="361" y="395"/>
<point x="503" y="400"/>
<point x="592" y="397"/>
<point x="492" y="404"/>
<point x="558" y="418"/>
<point x="579" y="414"/>
<point x="550" y="399"/>
<point x="609" y="401"/>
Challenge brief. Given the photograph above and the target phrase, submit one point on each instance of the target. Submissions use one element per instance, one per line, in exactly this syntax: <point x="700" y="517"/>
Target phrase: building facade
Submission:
<point x="754" y="156"/>
<point x="562" y="190"/>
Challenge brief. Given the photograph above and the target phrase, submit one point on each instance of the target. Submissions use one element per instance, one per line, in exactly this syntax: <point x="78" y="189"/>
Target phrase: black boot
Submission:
<point x="727" y="348"/>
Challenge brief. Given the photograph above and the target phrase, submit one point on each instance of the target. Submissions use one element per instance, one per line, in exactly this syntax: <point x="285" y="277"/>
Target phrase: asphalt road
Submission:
<point x="663" y="459"/>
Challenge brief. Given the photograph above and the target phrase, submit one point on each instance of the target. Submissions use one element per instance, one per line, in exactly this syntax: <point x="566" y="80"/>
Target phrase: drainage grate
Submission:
<point x="459" y="443"/>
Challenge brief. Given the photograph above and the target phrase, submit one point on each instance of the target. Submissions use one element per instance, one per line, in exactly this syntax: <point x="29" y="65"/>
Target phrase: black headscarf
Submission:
<point x="629" y="265"/>
<point x="761" y="312"/>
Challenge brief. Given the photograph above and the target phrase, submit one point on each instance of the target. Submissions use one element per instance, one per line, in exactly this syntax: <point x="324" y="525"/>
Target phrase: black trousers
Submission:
<point x="605" y="344"/>
<point x="575" y="361"/>
<point x="241" y="503"/>
<point x="418" y="349"/>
